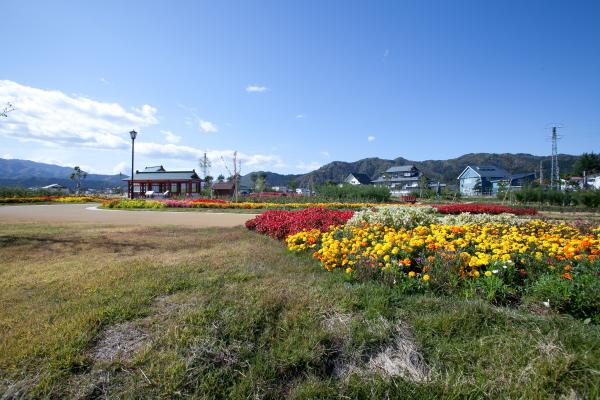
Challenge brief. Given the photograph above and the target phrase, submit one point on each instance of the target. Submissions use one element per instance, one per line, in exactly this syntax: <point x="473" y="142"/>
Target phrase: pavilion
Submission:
<point x="158" y="180"/>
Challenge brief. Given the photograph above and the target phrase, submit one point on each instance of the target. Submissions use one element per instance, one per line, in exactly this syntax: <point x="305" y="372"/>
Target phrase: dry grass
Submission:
<point x="224" y="313"/>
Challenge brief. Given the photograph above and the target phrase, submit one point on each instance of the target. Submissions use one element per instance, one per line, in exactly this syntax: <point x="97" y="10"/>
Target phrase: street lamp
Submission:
<point x="133" y="135"/>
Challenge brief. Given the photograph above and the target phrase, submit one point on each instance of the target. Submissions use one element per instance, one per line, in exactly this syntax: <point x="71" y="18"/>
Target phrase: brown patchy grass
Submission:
<point x="226" y="313"/>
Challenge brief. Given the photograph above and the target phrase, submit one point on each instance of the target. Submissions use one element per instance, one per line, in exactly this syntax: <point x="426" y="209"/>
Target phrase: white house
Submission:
<point x="56" y="188"/>
<point x="357" y="179"/>
<point x="593" y="181"/>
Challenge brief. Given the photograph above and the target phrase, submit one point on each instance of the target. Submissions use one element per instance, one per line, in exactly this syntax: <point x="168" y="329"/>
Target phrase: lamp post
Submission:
<point x="133" y="135"/>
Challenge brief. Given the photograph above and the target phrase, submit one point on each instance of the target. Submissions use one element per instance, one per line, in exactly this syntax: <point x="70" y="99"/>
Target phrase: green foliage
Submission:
<point x="587" y="198"/>
<point x="6" y="192"/>
<point x="588" y="163"/>
<point x="349" y="192"/>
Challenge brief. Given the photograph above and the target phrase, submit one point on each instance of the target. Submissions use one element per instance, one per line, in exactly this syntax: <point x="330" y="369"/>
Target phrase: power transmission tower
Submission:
<point x="205" y="165"/>
<point x="554" y="170"/>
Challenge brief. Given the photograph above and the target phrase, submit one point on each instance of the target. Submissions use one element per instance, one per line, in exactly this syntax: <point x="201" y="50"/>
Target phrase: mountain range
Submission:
<point x="24" y="173"/>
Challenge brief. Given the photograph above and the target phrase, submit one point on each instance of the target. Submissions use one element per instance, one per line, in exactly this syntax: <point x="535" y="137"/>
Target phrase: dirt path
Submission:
<point x="82" y="213"/>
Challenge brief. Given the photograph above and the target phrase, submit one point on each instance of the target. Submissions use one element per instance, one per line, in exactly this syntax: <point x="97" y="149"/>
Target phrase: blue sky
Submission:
<point x="295" y="85"/>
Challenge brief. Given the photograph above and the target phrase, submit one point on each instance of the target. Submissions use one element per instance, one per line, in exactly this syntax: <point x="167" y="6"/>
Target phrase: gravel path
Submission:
<point x="82" y="213"/>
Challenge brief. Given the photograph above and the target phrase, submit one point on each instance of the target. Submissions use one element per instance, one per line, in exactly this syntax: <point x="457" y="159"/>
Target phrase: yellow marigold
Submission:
<point x="348" y="270"/>
<point x="425" y="277"/>
<point x="488" y="273"/>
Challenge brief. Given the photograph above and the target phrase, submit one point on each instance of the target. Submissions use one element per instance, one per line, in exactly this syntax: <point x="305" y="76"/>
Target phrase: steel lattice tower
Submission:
<point x="554" y="172"/>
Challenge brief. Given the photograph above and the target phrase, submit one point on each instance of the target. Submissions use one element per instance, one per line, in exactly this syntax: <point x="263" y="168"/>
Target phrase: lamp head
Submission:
<point x="133" y="134"/>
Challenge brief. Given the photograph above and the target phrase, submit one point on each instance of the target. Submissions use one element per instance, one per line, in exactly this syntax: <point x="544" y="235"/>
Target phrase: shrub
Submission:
<point x="356" y="193"/>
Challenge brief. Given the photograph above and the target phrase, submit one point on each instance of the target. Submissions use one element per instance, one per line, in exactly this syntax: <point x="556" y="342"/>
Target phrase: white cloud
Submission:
<point x="104" y="81"/>
<point x="207" y="126"/>
<point x="123" y="167"/>
<point x="256" y="88"/>
<point x="56" y="119"/>
<point x="170" y="137"/>
<point x="178" y="152"/>
<point x="7" y="156"/>
<point x="300" y="116"/>
<point x="308" y="166"/>
<point x="386" y="53"/>
<point x="371" y="138"/>
<point x="325" y="154"/>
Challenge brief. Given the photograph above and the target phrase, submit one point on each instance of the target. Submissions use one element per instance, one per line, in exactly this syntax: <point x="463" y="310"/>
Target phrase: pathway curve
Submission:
<point x="82" y="213"/>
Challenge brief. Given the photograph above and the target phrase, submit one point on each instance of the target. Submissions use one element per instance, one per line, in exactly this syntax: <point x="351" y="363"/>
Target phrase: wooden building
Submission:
<point x="223" y="189"/>
<point x="157" y="180"/>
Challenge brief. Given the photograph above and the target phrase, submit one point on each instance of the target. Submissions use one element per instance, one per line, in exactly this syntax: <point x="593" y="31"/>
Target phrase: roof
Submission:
<point x="516" y="176"/>
<point x="157" y="168"/>
<point x="401" y="168"/>
<point x="487" y="171"/>
<point x="361" y="178"/>
<point x="223" y="186"/>
<point x="54" y="186"/>
<point x="165" y="176"/>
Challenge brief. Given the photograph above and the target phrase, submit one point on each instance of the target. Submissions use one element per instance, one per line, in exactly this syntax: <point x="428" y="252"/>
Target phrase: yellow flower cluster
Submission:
<point x="476" y="247"/>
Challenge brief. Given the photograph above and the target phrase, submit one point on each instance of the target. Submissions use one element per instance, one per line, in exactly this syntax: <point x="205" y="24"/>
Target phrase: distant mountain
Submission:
<point x="445" y="171"/>
<point x="273" y="179"/>
<point x="24" y="173"/>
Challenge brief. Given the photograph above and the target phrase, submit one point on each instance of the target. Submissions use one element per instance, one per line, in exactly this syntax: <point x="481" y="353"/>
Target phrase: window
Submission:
<point x="174" y="188"/>
<point x="184" y="187"/>
<point x="136" y="187"/>
<point x="156" y="187"/>
<point x="194" y="187"/>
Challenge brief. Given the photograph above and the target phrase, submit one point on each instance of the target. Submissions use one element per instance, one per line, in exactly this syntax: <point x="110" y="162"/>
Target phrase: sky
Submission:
<point x="294" y="85"/>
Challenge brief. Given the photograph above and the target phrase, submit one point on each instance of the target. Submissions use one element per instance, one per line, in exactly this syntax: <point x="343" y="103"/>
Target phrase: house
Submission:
<point x="158" y="180"/>
<point x="593" y="181"/>
<point x="56" y="188"/>
<point x="401" y="180"/>
<point x="223" y="189"/>
<point x="355" y="178"/>
<point x="489" y="179"/>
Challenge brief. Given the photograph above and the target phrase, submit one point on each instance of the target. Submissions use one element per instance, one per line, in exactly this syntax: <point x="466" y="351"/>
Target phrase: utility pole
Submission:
<point x="541" y="174"/>
<point x="554" y="171"/>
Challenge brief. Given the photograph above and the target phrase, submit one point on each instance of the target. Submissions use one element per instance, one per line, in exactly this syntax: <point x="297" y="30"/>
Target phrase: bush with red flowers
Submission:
<point x="279" y="224"/>
<point x="483" y="209"/>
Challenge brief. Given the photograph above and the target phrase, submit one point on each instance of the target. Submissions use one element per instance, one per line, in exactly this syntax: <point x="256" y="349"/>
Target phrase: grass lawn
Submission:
<point x="225" y="313"/>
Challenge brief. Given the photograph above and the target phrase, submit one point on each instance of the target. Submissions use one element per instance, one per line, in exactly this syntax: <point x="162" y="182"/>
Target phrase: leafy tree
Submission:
<point x="261" y="183"/>
<point x="293" y="184"/>
<point x="77" y="176"/>
<point x="220" y="178"/>
<point x="588" y="162"/>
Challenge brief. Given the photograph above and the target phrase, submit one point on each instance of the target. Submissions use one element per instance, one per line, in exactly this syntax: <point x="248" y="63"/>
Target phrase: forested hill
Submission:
<point x="443" y="170"/>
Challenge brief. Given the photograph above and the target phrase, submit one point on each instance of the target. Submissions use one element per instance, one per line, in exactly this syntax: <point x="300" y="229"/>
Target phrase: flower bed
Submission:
<point x="279" y="224"/>
<point x="50" y="199"/>
<point x="502" y="263"/>
<point x="483" y="209"/>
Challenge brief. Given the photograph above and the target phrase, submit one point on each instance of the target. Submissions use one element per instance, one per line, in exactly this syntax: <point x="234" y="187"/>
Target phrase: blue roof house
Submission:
<point x="477" y="179"/>
<point x="488" y="180"/>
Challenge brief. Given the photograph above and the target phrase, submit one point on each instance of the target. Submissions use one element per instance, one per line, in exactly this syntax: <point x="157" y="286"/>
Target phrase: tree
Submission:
<point x="77" y="176"/>
<point x="7" y="108"/>
<point x="220" y="178"/>
<point x="208" y="180"/>
<point x="588" y="162"/>
<point x="293" y="184"/>
<point x="261" y="183"/>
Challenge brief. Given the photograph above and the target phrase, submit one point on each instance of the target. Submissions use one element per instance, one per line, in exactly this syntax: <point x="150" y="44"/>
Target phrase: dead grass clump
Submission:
<point x="401" y="358"/>
<point x="119" y="342"/>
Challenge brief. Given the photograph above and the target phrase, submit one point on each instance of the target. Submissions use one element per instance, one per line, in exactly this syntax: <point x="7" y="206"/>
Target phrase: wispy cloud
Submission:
<point x="300" y="116"/>
<point x="207" y="126"/>
<point x="104" y="81"/>
<point x="7" y="156"/>
<point x="53" y="118"/>
<point x="371" y="138"/>
<point x="256" y="88"/>
<point x="386" y="53"/>
<point x="325" y="153"/>
<point x="122" y="167"/>
<point x="311" y="166"/>
<point x="170" y="137"/>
